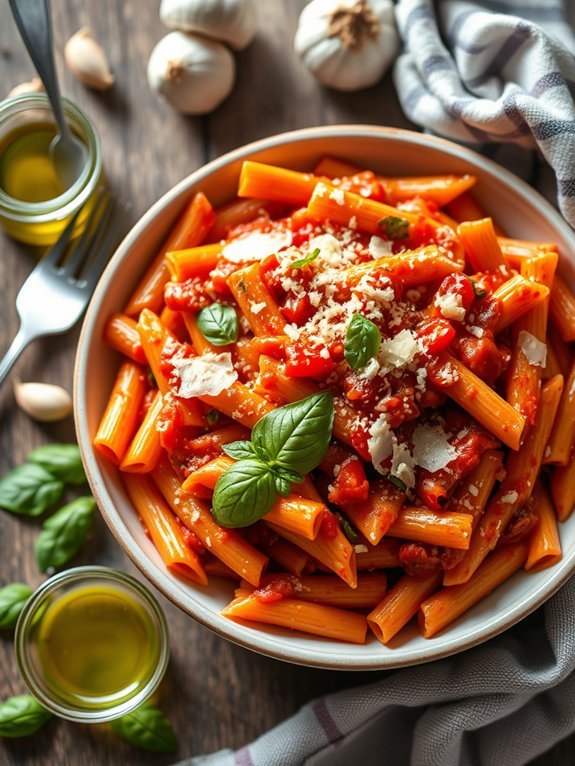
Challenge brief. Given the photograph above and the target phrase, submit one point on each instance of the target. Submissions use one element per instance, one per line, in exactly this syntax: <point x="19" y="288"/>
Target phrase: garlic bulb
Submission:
<point x="34" y="86"/>
<point x="87" y="61"/>
<point x="231" y="21"/>
<point x="347" y="44"/>
<point x="192" y="73"/>
<point x="43" y="401"/>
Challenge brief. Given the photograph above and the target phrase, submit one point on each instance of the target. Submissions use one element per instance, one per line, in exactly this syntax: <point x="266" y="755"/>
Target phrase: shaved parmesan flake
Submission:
<point x="256" y="246"/>
<point x="380" y="442"/>
<point x="431" y="448"/>
<point x="398" y="351"/>
<point x="403" y="464"/>
<point x="534" y="350"/>
<point x="206" y="375"/>
<point x="379" y="247"/>
<point x="450" y="306"/>
<point x="370" y="370"/>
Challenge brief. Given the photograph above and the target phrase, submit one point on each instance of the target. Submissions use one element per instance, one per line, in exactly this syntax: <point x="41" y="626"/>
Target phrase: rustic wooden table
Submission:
<point x="216" y="694"/>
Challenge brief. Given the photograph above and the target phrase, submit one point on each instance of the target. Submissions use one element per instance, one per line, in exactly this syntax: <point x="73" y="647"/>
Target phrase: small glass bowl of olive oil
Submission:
<point x="34" y="207"/>
<point x="92" y="644"/>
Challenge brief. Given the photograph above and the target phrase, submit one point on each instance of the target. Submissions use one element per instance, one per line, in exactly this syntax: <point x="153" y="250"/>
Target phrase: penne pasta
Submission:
<point x="544" y="547"/>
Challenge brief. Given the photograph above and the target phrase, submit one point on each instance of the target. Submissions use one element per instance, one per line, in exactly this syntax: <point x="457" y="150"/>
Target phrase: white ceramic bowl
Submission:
<point x="521" y="211"/>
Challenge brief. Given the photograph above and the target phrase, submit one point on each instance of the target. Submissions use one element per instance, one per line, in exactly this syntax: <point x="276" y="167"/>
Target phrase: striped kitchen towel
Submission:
<point x="493" y="71"/>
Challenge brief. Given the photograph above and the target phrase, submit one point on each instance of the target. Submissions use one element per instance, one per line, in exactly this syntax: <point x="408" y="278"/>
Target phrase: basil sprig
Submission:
<point x="29" y="490"/>
<point x="286" y="444"/>
<point x="361" y="342"/>
<point x="218" y="324"/>
<point x="12" y="600"/>
<point x="21" y="716"/>
<point x="146" y="728"/>
<point x="63" y="461"/>
<point x="394" y="226"/>
<point x="64" y="533"/>
<point x="307" y="260"/>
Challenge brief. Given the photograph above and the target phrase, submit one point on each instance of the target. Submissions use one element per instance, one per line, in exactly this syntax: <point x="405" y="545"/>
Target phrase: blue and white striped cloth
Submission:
<point x="493" y="71"/>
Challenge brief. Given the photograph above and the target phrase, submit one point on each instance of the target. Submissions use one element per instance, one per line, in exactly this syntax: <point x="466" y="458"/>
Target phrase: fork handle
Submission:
<point x="18" y="345"/>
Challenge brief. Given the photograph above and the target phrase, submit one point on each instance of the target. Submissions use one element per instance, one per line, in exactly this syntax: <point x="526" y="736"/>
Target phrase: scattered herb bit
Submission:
<point x="307" y="260"/>
<point x="242" y="286"/>
<point x="61" y="460"/>
<point x="151" y="378"/>
<point x="240" y="450"/>
<point x="347" y="529"/>
<point x="362" y="342"/>
<point x="398" y="483"/>
<point x="286" y="444"/>
<point x="218" y="324"/>
<point x="64" y="533"/>
<point x="212" y="417"/>
<point x="480" y="292"/>
<point x="12" y="600"/>
<point x="29" y="490"/>
<point x="21" y="716"/>
<point x="146" y="728"/>
<point x="394" y="227"/>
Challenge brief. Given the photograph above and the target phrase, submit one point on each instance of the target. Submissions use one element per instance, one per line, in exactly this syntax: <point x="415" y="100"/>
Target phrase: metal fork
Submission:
<point x="54" y="296"/>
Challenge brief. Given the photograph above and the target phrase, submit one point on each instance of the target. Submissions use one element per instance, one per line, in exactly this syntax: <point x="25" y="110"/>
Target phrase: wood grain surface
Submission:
<point x="216" y="694"/>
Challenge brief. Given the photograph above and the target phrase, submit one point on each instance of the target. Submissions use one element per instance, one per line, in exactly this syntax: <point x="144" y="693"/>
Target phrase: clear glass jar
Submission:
<point x="41" y="223"/>
<point x="45" y="682"/>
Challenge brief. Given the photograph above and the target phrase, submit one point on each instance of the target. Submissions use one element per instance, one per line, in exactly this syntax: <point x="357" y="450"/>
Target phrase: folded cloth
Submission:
<point x="502" y="703"/>
<point x="490" y="71"/>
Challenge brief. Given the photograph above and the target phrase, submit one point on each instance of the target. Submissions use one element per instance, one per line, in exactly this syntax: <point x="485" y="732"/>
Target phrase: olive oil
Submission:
<point x="97" y="646"/>
<point x="27" y="172"/>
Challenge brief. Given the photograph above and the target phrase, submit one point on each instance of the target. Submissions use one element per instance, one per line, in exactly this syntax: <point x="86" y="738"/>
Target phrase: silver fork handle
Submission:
<point x="18" y="345"/>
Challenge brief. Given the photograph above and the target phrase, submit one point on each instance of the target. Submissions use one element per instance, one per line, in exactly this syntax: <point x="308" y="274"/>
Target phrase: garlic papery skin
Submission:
<point x="347" y="44"/>
<point x="43" y="401"/>
<point x="192" y="73"/>
<point x="87" y="61"/>
<point x="230" y="21"/>
<point x="33" y="86"/>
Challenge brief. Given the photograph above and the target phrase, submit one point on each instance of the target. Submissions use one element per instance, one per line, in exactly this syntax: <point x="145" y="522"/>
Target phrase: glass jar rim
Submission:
<point x="26" y="621"/>
<point x="79" y="192"/>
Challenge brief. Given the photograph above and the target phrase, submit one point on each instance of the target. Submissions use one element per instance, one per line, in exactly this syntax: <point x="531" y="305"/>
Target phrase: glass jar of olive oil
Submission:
<point x="92" y="644"/>
<point x="34" y="208"/>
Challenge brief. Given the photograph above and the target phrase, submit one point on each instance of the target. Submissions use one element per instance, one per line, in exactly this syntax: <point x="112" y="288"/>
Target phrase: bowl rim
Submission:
<point x="260" y="641"/>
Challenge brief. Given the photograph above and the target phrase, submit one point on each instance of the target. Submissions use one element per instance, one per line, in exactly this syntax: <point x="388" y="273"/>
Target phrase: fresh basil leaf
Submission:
<point x="307" y="260"/>
<point x="29" y="490"/>
<point x="394" y="226"/>
<point x="347" y="529"/>
<point x="244" y="493"/>
<point x="283" y="486"/>
<point x="146" y="728"/>
<point x="398" y="483"/>
<point x="297" y="435"/>
<point x="480" y="292"/>
<point x="362" y="342"/>
<point x="21" y="716"/>
<point x="294" y="477"/>
<point x="240" y="450"/>
<point x="64" y="533"/>
<point x="218" y="324"/>
<point x="12" y="600"/>
<point x="61" y="460"/>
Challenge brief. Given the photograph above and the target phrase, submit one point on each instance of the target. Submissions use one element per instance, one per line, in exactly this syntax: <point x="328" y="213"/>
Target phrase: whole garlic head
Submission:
<point x="347" y="44"/>
<point x="192" y="73"/>
<point x="231" y="21"/>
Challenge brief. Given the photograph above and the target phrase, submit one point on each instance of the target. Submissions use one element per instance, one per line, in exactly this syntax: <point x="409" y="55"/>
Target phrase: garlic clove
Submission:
<point x="33" y="86"/>
<point x="231" y="21"/>
<point x="87" y="61"/>
<point x="192" y="73"/>
<point x="43" y="401"/>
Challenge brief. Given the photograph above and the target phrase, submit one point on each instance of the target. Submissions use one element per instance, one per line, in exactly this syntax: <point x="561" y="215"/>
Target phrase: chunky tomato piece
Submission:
<point x="436" y="335"/>
<point x="329" y="525"/>
<point x="400" y="407"/>
<point x="460" y="285"/>
<point x="297" y="310"/>
<point x="483" y="357"/>
<point x="350" y="485"/>
<point x="304" y="361"/>
<point x="276" y="590"/>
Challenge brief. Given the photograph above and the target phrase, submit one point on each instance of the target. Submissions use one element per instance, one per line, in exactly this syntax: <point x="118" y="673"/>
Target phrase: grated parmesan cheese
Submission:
<point x="510" y="497"/>
<point x="379" y="247"/>
<point x="451" y="306"/>
<point x="360" y="548"/>
<point x="473" y="490"/>
<point x="255" y="308"/>
<point x="431" y="448"/>
<point x="257" y="245"/>
<point x="206" y="375"/>
<point x="398" y="351"/>
<point x="370" y="370"/>
<point x="338" y="196"/>
<point x="535" y="351"/>
<point x="403" y="465"/>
